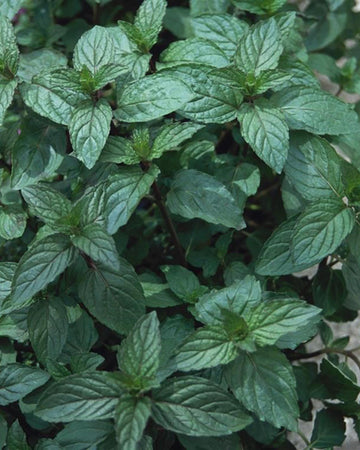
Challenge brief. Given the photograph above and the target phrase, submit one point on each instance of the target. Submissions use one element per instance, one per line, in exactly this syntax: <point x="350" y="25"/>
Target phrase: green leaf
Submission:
<point x="198" y="7"/>
<point x="48" y="328"/>
<point x="265" y="130"/>
<point x="139" y="354"/>
<point x="46" y="203"/>
<point x="195" y="194"/>
<point x="182" y="282"/>
<point x="38" y="61"/>
<point x="94" y="50"/>
<point x="89" y="128"/>
<point x="123" y="192"/>
<point x="7" y="89"/>
<point x="131" y="416"/>
<point x="275" y="256"/>
<point x="213" y="102"/>
<point x="235" y="298"/>
<point x="3" y="431"/>
<point x="17" y="380"/>
<point x="9" y="52"/>
<point x="16" y="438"/>
<point x="256" y="379"/>
<point x="8" y="8"/>
<point x="7" y="270"/>
<point x="12" y="222"/>
<point x="119" y="150"/>
<point x="94" y="241"/>
<point x="270" y="320"/>
<point x="88" y="433"/>
<point x="313" y="167"/>
<point x="329" y="429"/>
<point x="338" y="382"/>
<point x="260" y="49"/>
<point x="40" y="265"/>
<point x="149" y="19"/>
<point x="194" y="50"/>
<point x="197" y="407"/>
<point x="86" y="396"/>
<point x="314" y="110"/>
<point x="320" y="229"/>
<point x="207" y="347"/>
<point x="113" y="295"/>
<point x="53" y="95"/>
<point x="171" y="135"/>
<point x="231" y="442"/>
<point x="152" y="97"/>
<point x="224" y="30"/>
<point x="329" y="290"/>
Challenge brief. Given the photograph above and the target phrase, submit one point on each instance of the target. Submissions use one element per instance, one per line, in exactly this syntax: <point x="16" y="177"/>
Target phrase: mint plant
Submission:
<point x="179" y="217"/>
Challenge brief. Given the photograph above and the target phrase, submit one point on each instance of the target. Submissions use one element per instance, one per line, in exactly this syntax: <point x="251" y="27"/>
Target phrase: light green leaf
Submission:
<point x="89" y="128"/>
<point x="17" y="380"/>
<point x="114" y="296"/>
<point x="38" y="61"/>
<point x="46" y="203"/>
<point x="275" y="256"/>
<point x="48" y="327"/>
<point x="265" y="384"/>
<point x="139" y="354"/>
<point x="194" y="50"/>
<point x="123" y="191"/>
<point x="88" y="432"/>
<point x="196" y="194"/>
<point x="198" y="7"/>
<point x="207" y="347"/>
<point x="149" y="19"/>
<point x="9" y="52"/>
<point x="235" y="298"/>
<point x="320" y="229"/>
<point x="94" y="50"/>
<point x="8" y="8"/>
<point x="224" y="30"/>
<point x="171" y="135"/>
<point x="313" y="167"/>
<point x="316" y="111"/>
<point x="94" y="241"/>
<point x="7" y="89"/>
<point x="197" y="407"/>
<point x="152" y="97"/>
<point x="131" y="416"/>
<point x="260" y="49"/>
<point x="12" y="221"/>
<point x="269" y="320"/>
<point x="40" y="265"/>
<point x="119" y="150"/>
<point x="86" y="396"/>
<point x="265" y="130"/>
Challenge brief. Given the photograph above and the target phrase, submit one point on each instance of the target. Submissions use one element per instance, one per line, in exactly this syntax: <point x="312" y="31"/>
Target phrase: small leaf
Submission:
<point x="89" y="128"/>
<point x="7" y="89"/>
<point x="87" y="396"/>
<point x="149" y="19"/>
<point x="89" y="432"/>
<point x="12" y="222"/>
<point x="329" y="429"/>
<point x="131" y="416"/>
<point x="197" y="407"/>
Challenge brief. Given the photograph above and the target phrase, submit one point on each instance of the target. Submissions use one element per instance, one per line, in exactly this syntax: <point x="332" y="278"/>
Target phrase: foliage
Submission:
<point x="166" y="172"/>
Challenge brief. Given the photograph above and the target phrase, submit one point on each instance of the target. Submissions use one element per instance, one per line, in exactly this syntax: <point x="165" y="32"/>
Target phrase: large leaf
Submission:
<point x="207" y="347"/>
<point x="149" y="19"/>
<point x="40" y="265"/>
<point x="113" y="295"/>
<point x="265" y="130"/>
<point x="260" y="48"/>
<point x="131" y="416"/>
<point x="139" y="354"/>
<point x="316" y="111"/>
<point x="84" y="434"/>
<point x="265" y="384"/>
<point x="152" y="97"/>
<point x="86" y="396"/>
<point x="89" y="128"/>
<point x="313" y="167"/>
<point x="48" y="328"/>
<point x="123" y="192"/>
<point x="320" y="229"/>
<point x="222" y="29"/>
<point x="17" y="380"/>
<point x="195" y="194"/>
<point x="95" y="242"/>
<point x="197" y="407"/>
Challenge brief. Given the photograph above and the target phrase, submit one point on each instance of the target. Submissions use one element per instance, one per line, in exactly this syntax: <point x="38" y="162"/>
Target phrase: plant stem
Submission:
<point x="347" y="353"/>
<point x="169" y="223"/>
